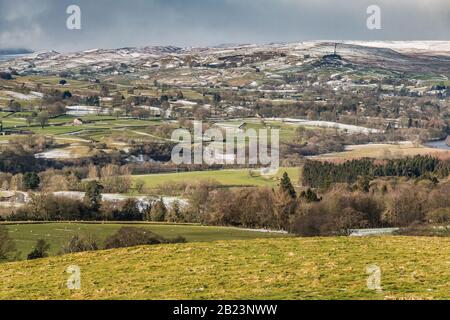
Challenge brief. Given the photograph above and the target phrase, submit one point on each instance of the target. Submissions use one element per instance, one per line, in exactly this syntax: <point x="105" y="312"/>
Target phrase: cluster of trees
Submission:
<point x="7" y="246"/>
<point x="125" y="237"/>
<point x="45" y="181"/>
<point x="18" y="155"/>
<point x="338" y="213"/>
<point x="113" y="178"/>
<point x="156" y="151"/>
<point x="16" y="160"/>
<point x="131" y="237"/>
<point x="49" y="207"/>
<point x="308" y="142"/>
<point x="211" y="204"/>
<point x="323" y="174"/>
<point x="387" y="203"/>
<point x="382" y="202"/>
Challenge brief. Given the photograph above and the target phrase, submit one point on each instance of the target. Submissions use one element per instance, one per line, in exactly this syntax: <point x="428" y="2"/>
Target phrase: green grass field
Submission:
<point x="296" y="268"/>
<point x="287" y="132"/>
<point x="26" y="235"/>
<point x="225" y="177"/>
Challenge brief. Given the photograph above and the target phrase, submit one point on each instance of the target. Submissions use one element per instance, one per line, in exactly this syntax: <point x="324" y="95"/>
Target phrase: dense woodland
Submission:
<point x="318" y="174"/>
<point x="365" y="203"/>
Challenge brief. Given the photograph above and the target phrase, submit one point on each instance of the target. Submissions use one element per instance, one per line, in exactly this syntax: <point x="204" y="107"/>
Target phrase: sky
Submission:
<point x="41" y="24"/>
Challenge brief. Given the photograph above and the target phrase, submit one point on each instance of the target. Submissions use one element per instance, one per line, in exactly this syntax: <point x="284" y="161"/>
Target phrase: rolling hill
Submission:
<point x="302" y="268"/>
<point x="205" y="62"/>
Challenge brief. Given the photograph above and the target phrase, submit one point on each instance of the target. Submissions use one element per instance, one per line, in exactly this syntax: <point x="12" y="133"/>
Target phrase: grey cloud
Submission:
<point x="114" y="23"/>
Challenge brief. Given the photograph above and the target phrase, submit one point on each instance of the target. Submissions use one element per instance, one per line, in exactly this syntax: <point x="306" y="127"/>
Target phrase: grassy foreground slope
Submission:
<point x="301" y="268"/>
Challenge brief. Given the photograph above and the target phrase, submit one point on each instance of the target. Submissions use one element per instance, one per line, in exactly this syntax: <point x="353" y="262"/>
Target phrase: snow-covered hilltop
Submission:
<point x="408" y="46"/>
<point x="202" y="66"/>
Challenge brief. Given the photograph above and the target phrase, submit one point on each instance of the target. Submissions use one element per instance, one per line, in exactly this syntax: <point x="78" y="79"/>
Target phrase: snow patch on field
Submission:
<point x="265" y="231"/>
<point x="21" y="96"/>
<point x="186" y="103"/>
<point x="327" y="124"/>
<point x="380" y="145"/>
<point x="143" y="201"/>
<point x="84" y="110"/>
<point x="54" y="154"/>
<point x="372" y="232"/>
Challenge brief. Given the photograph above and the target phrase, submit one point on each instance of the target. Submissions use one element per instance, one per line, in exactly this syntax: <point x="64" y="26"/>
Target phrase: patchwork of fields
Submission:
<point x="94" y="127"/>
<point x="302" y="268"/>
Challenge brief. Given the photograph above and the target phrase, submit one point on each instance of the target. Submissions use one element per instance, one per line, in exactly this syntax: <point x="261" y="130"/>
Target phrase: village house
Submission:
<point x="77" y="122"/>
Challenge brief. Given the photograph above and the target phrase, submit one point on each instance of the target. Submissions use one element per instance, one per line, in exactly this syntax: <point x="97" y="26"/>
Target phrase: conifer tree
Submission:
<point x="287" y="187"/>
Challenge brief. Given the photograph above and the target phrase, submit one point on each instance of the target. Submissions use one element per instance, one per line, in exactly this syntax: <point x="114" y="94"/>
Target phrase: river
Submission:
<point x="438" y="144"/>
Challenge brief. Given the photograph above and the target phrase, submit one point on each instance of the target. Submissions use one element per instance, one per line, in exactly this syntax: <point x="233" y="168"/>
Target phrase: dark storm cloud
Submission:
<point x="41" y="24"/>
